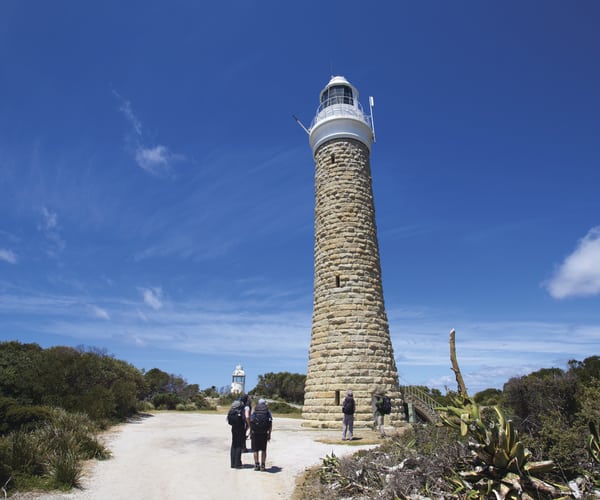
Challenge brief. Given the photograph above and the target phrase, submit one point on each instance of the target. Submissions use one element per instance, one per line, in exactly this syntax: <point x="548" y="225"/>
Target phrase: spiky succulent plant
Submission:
<point x="502" y="466"/>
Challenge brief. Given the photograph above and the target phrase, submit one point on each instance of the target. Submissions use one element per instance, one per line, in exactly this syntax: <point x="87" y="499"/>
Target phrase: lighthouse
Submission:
<point x="350" y="344"/>
<point x="238" y="380"/>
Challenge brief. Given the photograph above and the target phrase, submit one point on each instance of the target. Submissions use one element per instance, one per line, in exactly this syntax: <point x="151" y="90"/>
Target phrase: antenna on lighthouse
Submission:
<point x="371" y="106"/>
<point x="300" y="123"/>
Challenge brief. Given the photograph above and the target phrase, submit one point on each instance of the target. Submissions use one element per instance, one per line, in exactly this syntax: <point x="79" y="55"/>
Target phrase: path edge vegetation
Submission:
<point x="483" y="451"/>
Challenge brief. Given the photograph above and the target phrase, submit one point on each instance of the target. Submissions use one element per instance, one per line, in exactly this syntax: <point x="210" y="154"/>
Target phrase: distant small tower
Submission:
<point x="350" y="342"/>
<point x="238" y="380"/>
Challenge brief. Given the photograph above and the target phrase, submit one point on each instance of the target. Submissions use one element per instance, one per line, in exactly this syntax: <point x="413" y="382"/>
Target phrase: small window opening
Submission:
<point x="337" y="398"/>
<point x="337" y="282"/>
<point x="332" y="157"/>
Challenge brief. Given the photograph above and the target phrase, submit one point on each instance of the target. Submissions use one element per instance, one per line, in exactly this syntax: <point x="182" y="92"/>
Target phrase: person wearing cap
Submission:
<point x="261" y="423"/>
<point x="348" y="407"/>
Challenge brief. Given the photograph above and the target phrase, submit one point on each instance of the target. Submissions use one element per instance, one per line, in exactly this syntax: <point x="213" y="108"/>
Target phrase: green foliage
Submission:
<point x="593" y="443"/>
<point x="587" y="370"/>
<point x="157" y="381"/>
<point x="282" y="408"/>
<point x="283" y="385"/>
<point x="552" y="409"/>
<point x="65" y="468"/>
<point x="166" y="401"/>
<point x="211" y="392"/>
<point x="74" y="379"/>
<point x="5" y="460"/>
<point x="489" y="397"/>
<point x="25" y="417"/>
<point x="500" y="462"/>
<point x="54" y="449"/>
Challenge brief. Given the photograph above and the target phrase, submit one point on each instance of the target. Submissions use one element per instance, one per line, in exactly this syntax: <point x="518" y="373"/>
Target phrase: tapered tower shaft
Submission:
<point x="350" y="342"/>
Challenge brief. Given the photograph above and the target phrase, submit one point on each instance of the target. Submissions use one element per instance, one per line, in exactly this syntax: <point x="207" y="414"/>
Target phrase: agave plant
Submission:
<point x="502" y="465"/>
<point x="594" y="443"/>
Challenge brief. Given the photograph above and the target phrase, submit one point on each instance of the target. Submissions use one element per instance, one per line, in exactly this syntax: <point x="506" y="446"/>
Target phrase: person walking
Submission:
<point x="247" y="403"/>
<point x="378" y="413"/>
<point x="261" y="424"/>
<point x="348" y="408"/>
<point x="237" y="421"/>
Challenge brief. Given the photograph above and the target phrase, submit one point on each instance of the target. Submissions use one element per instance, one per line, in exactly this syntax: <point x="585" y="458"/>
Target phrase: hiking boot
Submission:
<point x="256" y="467"/>
<point x="262" y="467"/>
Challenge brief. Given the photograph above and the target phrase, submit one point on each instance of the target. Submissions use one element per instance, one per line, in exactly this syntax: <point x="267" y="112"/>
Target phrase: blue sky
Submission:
<point x="156" y="196"/>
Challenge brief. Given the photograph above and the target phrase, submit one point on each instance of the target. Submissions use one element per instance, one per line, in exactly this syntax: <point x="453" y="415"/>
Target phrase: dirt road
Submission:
<point x="183" y="456"/>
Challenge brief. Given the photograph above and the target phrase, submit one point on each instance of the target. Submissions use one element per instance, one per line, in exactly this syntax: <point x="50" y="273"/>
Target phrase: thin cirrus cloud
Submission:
<point x="100" y="313"/>
<point x="579" y="274"/>
<point x="156" y="160"/>
<point x="8" y="256"/>
<point x="50" y="229"/>
<point x="152" y="296"/>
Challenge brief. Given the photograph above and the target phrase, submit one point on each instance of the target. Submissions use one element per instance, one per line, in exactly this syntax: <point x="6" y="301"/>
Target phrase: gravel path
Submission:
<point x="186" y="456"/>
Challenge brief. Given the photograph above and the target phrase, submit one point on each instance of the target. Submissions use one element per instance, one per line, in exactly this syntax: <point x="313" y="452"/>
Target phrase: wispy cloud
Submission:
<point x="579" y="274"/>
<point x="489" y="353"/>
<point x="100" y="313"/>
<point x="50" y="228"/>
<point x="152" y="296"/>
<point x="157" y="160"/>
<point x="8" y="256"/>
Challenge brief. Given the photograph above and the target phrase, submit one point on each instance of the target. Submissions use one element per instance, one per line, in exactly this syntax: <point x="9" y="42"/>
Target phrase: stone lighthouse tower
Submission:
<point x="350" y="343"/>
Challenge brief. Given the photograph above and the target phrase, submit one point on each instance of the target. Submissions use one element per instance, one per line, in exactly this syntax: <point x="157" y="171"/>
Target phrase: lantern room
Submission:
<point x="340" y="116"/>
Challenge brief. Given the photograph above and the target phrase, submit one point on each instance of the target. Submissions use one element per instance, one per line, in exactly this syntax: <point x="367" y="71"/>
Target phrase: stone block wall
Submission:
<point x="350" y="343"/>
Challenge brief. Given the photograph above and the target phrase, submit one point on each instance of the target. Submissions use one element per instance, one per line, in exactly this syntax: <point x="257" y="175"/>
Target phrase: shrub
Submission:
<point x="166" y="401"/>
<point x="5" y="459"/>
<point x="26" y="417"/>
<point x="279" y="407"/>
<point x="65" y="468"/>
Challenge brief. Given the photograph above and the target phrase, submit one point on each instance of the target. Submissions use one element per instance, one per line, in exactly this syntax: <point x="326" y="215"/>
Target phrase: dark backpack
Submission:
<point x="348" y="406"/>
<point x="235" y="417"/>
<point x="260" y="420"/>
<point x="386" y="406"/>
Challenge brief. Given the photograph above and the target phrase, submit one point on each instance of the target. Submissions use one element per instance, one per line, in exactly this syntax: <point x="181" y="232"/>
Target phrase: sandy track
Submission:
<point x="186" y="456"/>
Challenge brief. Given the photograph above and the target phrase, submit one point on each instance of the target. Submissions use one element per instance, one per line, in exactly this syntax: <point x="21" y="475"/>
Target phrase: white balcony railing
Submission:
<point x="339" y="106"/>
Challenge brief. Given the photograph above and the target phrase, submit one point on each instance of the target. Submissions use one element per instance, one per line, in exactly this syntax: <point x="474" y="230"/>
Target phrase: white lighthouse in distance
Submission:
<point x="238" y="381"/>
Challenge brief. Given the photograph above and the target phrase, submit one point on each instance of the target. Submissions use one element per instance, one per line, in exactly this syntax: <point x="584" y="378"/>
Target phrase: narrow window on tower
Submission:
<point x="337" y="282"/>
<point x="332" y="157"/>
<point x="337" y="398"/>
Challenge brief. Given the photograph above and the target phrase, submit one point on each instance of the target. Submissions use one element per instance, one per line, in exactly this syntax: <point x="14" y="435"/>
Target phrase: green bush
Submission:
<point x="5" y="459"/>
<point x="280" y="407"/>
<point x="166" y="401"/>
<point x="65" y="468"/>
<point x="26" y="417"/>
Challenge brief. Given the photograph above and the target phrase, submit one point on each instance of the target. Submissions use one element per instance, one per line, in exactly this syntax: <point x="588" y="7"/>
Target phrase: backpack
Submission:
<point x="260" y="420"/>
<point x="386" y="406"/>
<point x="348" y="406"/>
<point x="235" y="417"/>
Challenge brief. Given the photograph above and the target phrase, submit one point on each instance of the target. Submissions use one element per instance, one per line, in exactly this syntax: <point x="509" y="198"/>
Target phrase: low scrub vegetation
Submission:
<point x="535" y="439"/>
<point x="48" y="454"/>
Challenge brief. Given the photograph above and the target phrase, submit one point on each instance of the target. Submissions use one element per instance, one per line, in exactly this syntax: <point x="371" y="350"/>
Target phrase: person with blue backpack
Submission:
<point x="261" y="423"/>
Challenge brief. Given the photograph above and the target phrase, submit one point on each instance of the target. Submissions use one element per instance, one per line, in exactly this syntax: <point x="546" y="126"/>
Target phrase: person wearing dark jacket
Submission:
<point x="348" y="408"/>
<point x="261" y="424"/>
<point x="238" y="434"/>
